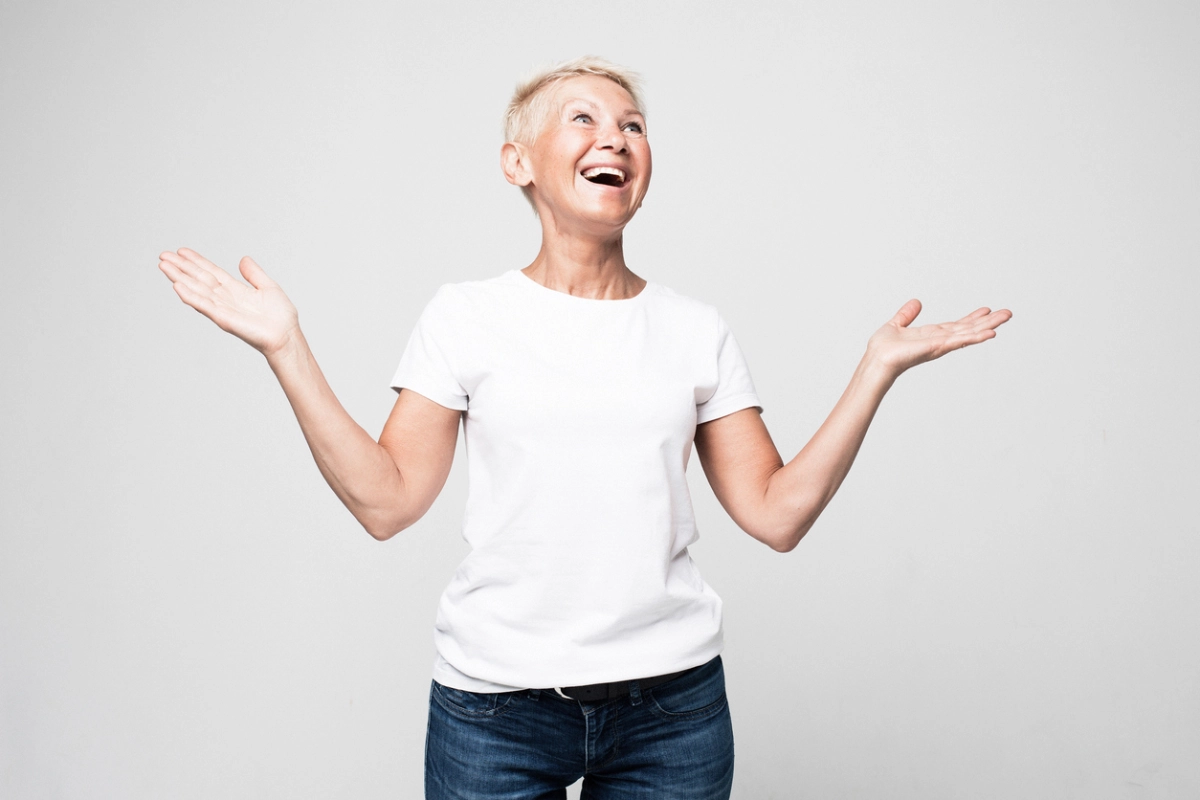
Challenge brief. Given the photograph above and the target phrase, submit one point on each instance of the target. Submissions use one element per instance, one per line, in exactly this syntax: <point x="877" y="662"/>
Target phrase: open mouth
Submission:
<point x="605" y="176"/>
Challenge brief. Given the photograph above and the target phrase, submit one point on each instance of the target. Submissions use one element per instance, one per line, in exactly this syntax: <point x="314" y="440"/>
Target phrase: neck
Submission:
<point x="584" y="266"/>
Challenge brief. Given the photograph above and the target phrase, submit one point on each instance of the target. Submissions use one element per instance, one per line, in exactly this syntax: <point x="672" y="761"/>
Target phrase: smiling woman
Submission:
<point x="530" y="104"/>
<point x="577" y="639"/>
<point x="585" y="157"/>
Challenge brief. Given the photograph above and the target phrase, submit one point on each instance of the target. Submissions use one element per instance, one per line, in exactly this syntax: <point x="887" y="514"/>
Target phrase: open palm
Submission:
<point x="899" y="346"/>
<point x="259" y="313"/>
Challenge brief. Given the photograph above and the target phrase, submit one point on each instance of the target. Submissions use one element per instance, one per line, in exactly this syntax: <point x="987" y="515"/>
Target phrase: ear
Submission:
<point x="514" y="160"/>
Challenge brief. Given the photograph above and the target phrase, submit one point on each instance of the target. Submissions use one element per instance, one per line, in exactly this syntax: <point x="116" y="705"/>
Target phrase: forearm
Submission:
<point x="359" y="470"/>
<point x="798" y="492"/>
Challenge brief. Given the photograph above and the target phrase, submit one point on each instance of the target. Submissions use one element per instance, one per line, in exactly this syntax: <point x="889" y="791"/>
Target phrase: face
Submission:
<point x="590" y="164"/>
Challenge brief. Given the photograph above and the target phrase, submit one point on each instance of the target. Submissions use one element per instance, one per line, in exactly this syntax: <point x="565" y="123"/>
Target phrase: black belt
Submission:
<point x="594" y="692"/>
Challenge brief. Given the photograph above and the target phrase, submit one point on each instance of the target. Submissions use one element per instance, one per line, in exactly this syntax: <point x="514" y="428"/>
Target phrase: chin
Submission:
<point x="597" y="216"/>
<point x="615" y="222"/>
<point x="611" y="214"/>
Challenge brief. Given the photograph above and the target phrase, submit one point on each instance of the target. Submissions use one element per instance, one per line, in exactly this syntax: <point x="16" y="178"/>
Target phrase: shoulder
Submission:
<point x="682" y="309"/>
<point x="466" y="299"/>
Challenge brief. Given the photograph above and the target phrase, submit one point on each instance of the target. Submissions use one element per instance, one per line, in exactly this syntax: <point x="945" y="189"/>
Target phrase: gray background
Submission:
<point x="1000" y="603"/>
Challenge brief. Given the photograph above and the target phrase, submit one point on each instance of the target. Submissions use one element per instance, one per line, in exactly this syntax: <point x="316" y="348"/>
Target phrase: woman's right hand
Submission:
<point x="259" y="314"/>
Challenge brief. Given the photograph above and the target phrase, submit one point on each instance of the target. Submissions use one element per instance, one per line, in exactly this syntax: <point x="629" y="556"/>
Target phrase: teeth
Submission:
<point x="596" y="171"/>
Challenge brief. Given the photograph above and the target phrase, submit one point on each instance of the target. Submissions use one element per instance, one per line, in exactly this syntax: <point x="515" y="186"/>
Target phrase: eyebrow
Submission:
<point x="590" y="104"/>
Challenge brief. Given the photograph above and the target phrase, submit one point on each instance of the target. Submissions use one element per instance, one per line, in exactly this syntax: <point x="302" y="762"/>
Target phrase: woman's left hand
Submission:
<point x="896" y="346"/>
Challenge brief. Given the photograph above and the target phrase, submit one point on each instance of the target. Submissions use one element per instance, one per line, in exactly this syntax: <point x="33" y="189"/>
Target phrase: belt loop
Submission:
<point x="534" y="694"/>
<point x="635" y="693"/>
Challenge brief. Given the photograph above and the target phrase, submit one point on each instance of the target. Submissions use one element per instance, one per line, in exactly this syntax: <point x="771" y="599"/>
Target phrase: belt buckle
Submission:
<point x="592" y="692"/>
<point x="609" y="694"/>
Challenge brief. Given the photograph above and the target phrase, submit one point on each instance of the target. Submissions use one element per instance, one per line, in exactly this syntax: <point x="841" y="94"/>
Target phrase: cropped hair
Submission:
<point x="528" y="109"/>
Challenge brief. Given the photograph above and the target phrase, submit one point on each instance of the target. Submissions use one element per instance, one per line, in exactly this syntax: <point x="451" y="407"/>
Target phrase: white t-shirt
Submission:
<point x="579" y="422"/>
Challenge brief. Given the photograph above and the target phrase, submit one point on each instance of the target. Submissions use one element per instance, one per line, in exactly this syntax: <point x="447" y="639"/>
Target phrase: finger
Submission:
<point x="173" y="271"/>
<point x="192" y="255"/>
<point x="993" y="320"/>
<point x="254" y="274"/>
<point x="191" y="297"/>
<point x="976" y="314"/>
<point x="907" y="313"/>
<point x="205" y="265"/>
<point x="190" y="268"/>
<point x="196" y="295"/>
<point x="178" y="277"/>
<point x="968" y="339"/>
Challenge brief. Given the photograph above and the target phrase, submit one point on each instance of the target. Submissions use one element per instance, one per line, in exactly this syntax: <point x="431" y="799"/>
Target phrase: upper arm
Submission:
<point x="738" y="458"/>
<point x="420" y="436"/>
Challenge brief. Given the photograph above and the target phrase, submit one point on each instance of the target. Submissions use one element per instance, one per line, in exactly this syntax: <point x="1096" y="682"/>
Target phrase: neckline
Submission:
<point x="521" y="277"/>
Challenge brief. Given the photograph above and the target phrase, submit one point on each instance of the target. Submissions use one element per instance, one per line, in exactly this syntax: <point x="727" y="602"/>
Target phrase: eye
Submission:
<point x="634" y="128"/>
<point x="581" y="117"/>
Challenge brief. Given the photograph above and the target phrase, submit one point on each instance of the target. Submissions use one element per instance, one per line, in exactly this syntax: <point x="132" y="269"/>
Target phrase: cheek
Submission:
<point x="647" y="171"/>
<point x="563" y="166"/>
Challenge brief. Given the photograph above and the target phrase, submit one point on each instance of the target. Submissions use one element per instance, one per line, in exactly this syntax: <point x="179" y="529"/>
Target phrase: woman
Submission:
<point x="577" y="638"/>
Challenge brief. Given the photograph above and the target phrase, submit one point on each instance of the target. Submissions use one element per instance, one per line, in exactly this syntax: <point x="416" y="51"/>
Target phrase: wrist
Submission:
<point x="290" y="347"/>
<point x="876" y="372"/>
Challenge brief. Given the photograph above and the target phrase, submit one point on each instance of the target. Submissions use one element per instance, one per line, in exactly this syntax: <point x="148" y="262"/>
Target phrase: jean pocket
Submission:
<point x="696" y="695"/>
<point x="472" y="705"/>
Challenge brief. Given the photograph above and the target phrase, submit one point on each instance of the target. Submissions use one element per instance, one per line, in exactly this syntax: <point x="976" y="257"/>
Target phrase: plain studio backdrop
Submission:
<point x="1000" y="603"/>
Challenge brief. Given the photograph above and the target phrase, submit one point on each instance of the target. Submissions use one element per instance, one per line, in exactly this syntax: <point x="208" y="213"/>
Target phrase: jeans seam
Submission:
<point x="707" y="710"/>
<point x="453" y="708"/>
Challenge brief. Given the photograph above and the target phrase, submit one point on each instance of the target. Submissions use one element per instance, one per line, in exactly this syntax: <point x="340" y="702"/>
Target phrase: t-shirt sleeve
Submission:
<point x="427" y="366"/>
<point x="735" y="389"/>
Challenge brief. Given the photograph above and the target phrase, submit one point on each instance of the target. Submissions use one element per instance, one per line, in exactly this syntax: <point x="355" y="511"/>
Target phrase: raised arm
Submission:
<point x="777" y="503"/>
<point x="387" y="485"/>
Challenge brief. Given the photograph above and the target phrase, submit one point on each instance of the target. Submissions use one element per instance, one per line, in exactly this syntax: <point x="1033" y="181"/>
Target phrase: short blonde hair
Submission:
<point x="526" y="112"/>
<point x="528" y="109"/>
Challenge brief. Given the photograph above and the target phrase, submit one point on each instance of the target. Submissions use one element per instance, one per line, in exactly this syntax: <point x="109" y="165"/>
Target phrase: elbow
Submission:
<point x="785" y="535"/>
<point x="782" y="539"/>
<point x="384" y="522"/>
<point x="789" y="526"/>
<point x="780" y="520"/>
<point x="382" y="528"/>
<point x="787" y="543"/>
<point x="380" y="534"/>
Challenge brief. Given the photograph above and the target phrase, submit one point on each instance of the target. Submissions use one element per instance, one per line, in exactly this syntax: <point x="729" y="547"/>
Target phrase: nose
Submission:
<point x="611" y="137"/>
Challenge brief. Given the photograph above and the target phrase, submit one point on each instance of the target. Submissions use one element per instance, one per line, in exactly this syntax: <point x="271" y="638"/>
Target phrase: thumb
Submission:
<point x="253" y="273"/>
<point x="907" y="313"/>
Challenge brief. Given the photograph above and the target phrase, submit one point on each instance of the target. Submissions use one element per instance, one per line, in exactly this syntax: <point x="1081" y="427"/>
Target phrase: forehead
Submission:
<point x="595" y="90"/>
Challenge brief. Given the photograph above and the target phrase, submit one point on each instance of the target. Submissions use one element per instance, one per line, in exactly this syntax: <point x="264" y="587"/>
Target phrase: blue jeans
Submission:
<point x="670" y="742"/>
